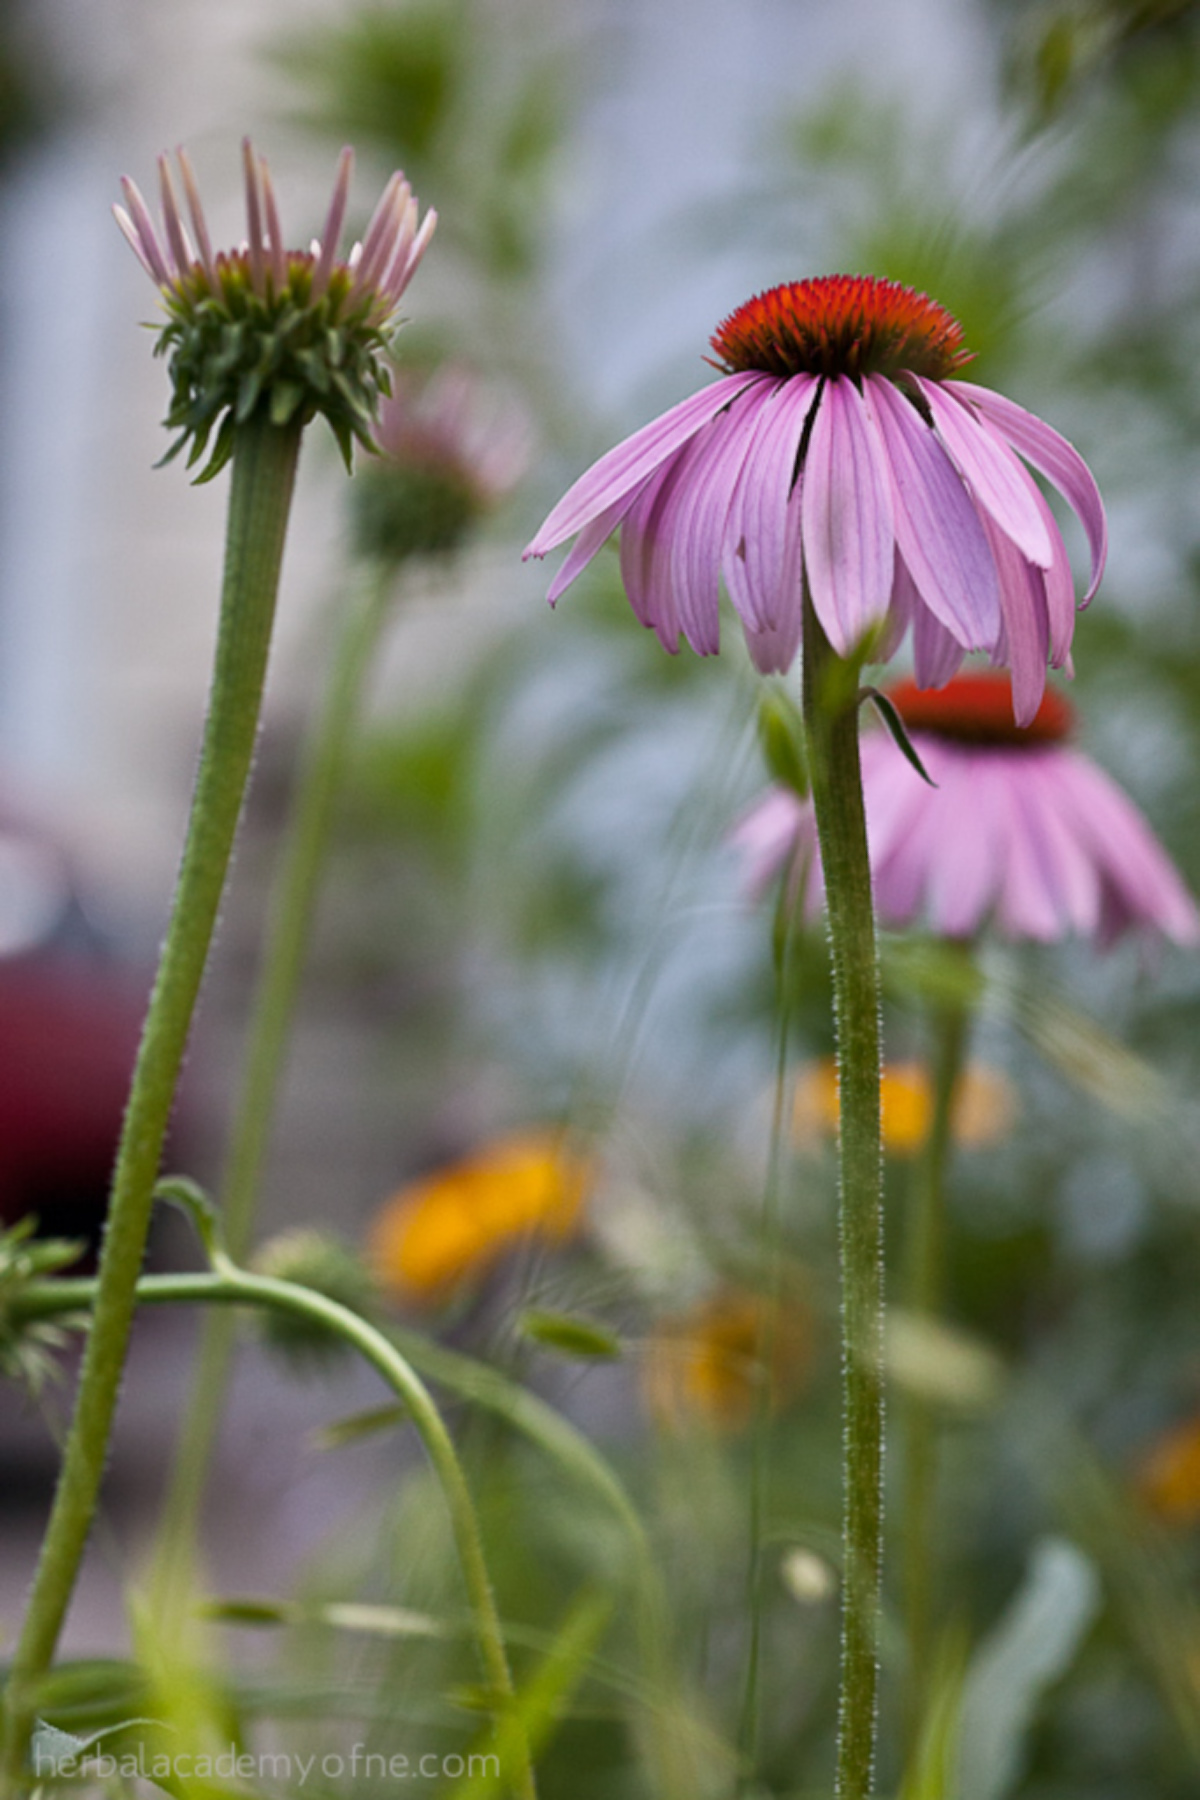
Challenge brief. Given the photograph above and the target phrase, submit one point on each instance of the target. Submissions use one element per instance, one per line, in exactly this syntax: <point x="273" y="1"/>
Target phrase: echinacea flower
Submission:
<point x="1021" y="831"/>
<point x="838" y="448"/>
<point x="982" y="1113"/>
<point x="709" y="1364"/>
<point x="450" y="450"/>
<point x="298" y="332"/>
<point x="436" y="1232"/>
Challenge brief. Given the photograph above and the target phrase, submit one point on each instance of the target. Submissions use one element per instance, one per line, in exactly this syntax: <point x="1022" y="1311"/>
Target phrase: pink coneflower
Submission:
<point x="264" y="324"/>
<point x="837" y="448"/>
<point x="1021" y="831"/>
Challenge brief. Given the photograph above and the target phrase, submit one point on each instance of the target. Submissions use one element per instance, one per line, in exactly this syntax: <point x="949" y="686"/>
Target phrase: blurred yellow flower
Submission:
<point x="434" y="1233"/>
<point x="984" y="1106"/>
<point x="1168" y="1477"/>
<point x="707" y="1364"/>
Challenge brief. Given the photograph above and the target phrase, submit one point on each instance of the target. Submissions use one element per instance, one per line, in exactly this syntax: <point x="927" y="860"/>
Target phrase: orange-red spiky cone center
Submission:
<point x="841" y="325"/>
<point x="978" y="709"/>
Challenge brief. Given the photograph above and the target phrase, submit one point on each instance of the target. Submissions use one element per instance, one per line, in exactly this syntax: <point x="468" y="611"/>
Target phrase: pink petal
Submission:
<point x="761" y="559"/>
<point x="847" y="517"/>
<point x="333" y="223"/>
<point x="254" y="230"/>
<point x="589" y="543"/>
<point x="997" y="479"/>
<point x="1026" y="626"/>
<point x="773" y="649"/>
<point x="1060" y="594"/>
<point x="697" y="520"/>
<point x="899" y="613"/>
<point x="142" y="234"/>
<point x="938" y="530"/>
<point x="626" y="465"/>
<point x="965" y="874"/>
<point x="645" y="558"/>
<point x="936" y="654"/>
<point x="1143" y="886"/>
<point x="1058" y="460"/>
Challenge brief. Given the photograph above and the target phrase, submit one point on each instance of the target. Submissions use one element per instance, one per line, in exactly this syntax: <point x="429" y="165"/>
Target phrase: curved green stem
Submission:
<point x="831" y="721"/>
<point x="317" y="788"/>
<point x="231" y="1286"/>
<point x="264" y="470"/>
<point x="923" y="1296"/>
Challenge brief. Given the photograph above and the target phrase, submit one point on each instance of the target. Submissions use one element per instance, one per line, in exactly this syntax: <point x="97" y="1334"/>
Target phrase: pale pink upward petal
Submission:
<point x="254" y="230"/>
<point x="1058" y="460"/>
<point x="181" y="250"/>
<point x="276" y="248"/>
<point x="334" y="221"/>
<point x="196" y="213"/>
<point x="626" y="466"/>
<point x="761" y="556"/>
<point x="130" y="233"/>
<point x="404" y="264"/>
<point x="996" y="478"/>
<point x="147" y="244"/>
<point x="380" y="239"/>
<point x="846" y="519"/>
<point x="938" y="529"/>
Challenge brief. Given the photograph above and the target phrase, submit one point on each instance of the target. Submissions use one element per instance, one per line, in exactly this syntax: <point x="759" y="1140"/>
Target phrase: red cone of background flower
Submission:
<point x="1021" y="831"/>
<point x="838" y="449"/>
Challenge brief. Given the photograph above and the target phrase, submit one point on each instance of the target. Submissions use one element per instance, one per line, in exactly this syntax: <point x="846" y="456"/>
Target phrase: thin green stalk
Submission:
<point x="264" y="471"/>
<point x="231" y="1286"/>
<point x="924" y="1260"/>
<point x="831" y="721"/>
<point x="317" y="789"/>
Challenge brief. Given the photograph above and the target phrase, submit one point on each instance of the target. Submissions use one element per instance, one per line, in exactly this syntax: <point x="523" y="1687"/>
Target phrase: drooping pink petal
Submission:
<point x="761" y="557"/>
<point x="1027" y="906"/>
<point x="1060" y="594"/>
<point x="900" y="611"/>
<point x="645" y="558"/>
<point x="1069" y="869"/>
<point x="1139" y="877"/>
<point x="773" y="649"/>
<point x="937" y="655"/>
<point x="998" y="480"/>
<point x="589" y="543"/>
<point x="628" y="464"/>
<point x="1026" y="626"/>
<point x="938" y="530"/>
<point x="847" y="518"/>
<point x="697" y="521"/>
<point x="962" y="887"/>
<point x="1058" y="460"/>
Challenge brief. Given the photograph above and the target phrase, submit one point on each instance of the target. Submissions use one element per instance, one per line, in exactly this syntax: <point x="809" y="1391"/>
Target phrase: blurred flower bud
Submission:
<point x="313" y="1259"/>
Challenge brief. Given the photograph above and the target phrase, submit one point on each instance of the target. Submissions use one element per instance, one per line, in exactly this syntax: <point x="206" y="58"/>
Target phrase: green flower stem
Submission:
<point x="231" y="1286"/>
<point x="260" y="496"/>
<point x="923" y="1296"/>
<point x="831" y="722"/>
<point x="318" y="785"/>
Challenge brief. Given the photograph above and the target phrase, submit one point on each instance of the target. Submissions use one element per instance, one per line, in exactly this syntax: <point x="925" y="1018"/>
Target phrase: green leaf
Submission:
<point x="1032" y="1647"/>
<point x="190" y="1198"/>
<point x="359" y="1425"/>
<point x="570" y="1335"/>
<point x="781" y="736"/>
<point x="897" y="730"/>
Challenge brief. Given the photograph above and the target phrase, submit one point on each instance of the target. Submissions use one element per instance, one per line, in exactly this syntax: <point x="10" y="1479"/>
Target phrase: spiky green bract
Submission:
<point x="289" y="353"/>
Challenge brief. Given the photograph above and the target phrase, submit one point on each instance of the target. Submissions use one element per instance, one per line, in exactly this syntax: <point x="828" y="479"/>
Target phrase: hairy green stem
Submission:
<point x="294" y="899"/>
<point x="831" y="722"/>
<point x="924" y="1259"/>
<point x="264" y="471"/>
<point x="231" y="1286"/>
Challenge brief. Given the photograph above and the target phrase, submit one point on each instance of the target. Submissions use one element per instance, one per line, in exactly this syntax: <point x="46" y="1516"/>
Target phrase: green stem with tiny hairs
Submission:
<point x="317" y="788"/>
<point x="830" y="703"/>
<point x="264" y="470"/>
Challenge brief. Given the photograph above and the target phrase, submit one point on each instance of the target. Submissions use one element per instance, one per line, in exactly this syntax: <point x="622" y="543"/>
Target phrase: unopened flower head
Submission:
<point x="710" y="1364"/>
<point x="297" y="332"/>
<point x="840" y="448"/>
<point x="439" y="1231"/>
<point x="450" y="450"/>
<point x="1021" y="832"/>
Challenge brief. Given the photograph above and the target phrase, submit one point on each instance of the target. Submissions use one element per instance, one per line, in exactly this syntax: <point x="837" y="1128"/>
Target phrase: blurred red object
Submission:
<point x="70" y="1017"/>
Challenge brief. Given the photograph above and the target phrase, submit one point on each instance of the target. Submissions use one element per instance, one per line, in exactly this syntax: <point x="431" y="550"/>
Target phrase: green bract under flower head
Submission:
<point x="291" y="332"/>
